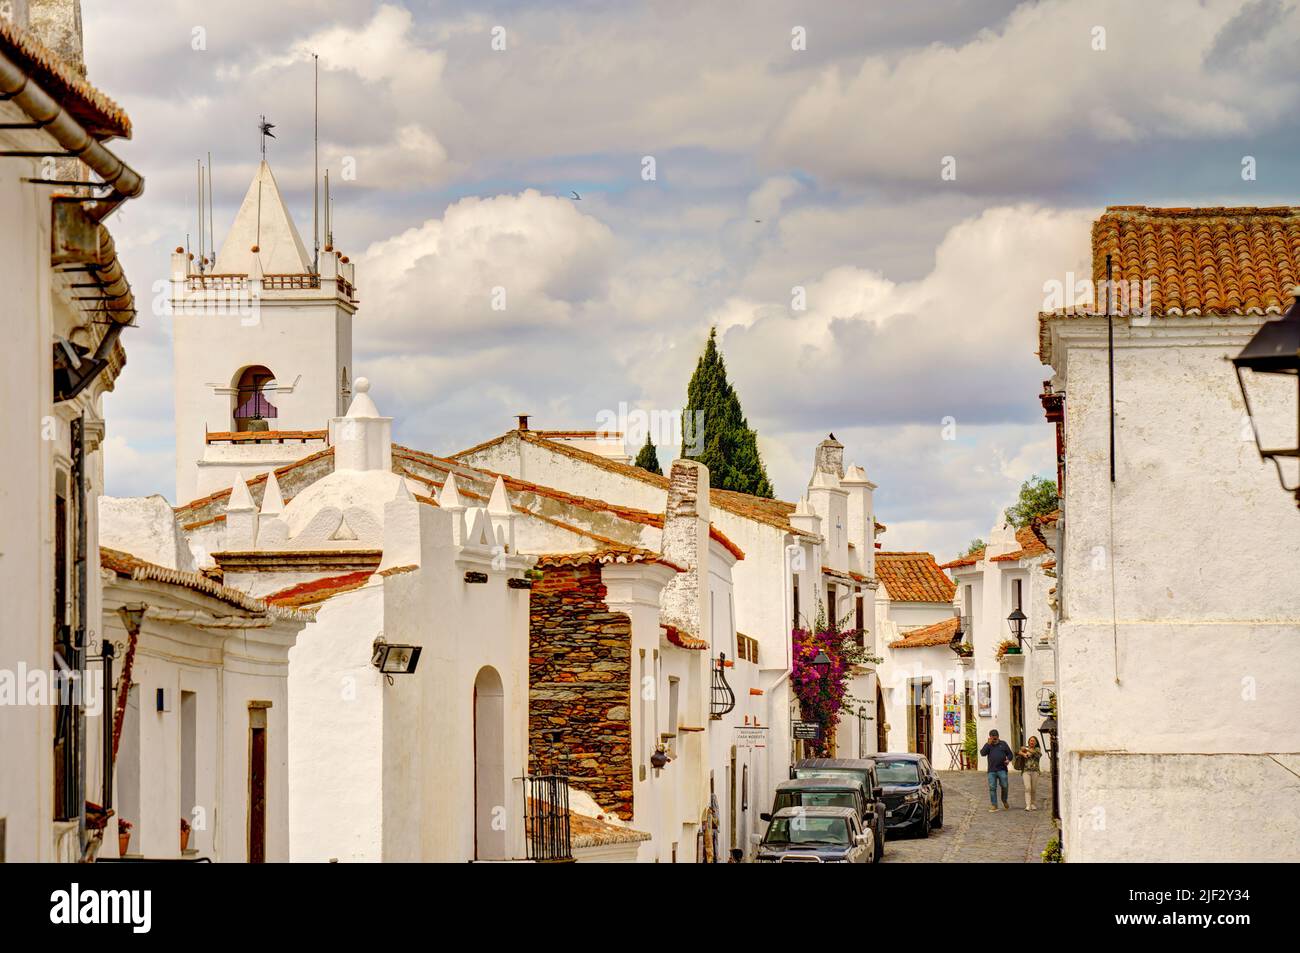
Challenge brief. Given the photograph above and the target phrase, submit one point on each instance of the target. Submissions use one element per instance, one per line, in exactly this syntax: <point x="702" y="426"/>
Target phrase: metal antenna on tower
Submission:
<point x="315" y="177"/>
<point x="212" y="239"/>
<point x="329" y="214"/>
<point x="198" y="163"/>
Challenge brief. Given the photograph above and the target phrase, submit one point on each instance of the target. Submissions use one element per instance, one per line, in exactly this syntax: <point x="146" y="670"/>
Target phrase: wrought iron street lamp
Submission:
<point x="1017" y="623"/>
<point x="1272" y="363"/>
<point x="822" y="663"/>
<point x="1048" y="732"/>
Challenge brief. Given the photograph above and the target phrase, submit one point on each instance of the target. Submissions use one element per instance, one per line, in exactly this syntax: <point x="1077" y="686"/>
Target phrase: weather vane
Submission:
<point x="265" y="128"/>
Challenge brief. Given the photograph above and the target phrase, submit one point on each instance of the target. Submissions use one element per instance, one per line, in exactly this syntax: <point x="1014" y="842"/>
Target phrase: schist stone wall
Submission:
<point x="579" y="686"/>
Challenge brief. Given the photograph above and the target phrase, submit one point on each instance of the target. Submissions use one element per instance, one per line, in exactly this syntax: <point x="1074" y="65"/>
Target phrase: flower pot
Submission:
<point x="123" y="842"/>
<point x="185" y="841"/>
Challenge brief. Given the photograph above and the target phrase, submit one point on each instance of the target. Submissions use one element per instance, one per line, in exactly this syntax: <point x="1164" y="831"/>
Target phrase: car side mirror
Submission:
<point x="861" y="838"/>
<point x="765" y="816"/>
<point x="878" y="792"/>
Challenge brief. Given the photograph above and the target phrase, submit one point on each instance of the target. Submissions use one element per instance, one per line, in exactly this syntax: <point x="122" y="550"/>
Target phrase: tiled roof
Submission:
<point x="962" y="561"/>
<point x="587" y="831"/>
<point x="318" y="590"/>
<point x="760" y="509"/>
<point x="940" y="633"/>
<point x="682" y="639"/>
<point x="1031" y="539"/>
<point x="1199" y="261"/>
<point x="97" y="114"/>
<point x="913" y="577"/>
<point x="132" y="567"/>
<point x="606" y="556"/>
<point x="1031" y="543"/>
<point x="1203" y="260"/>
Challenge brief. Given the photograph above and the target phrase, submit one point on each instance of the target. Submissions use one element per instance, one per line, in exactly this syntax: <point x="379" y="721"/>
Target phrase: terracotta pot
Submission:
<point x="123" y="842"/>
<point x="185" y="840"/>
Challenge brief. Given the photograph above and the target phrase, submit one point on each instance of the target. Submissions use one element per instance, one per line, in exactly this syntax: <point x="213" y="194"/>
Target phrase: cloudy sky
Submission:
<point x="774" y="168"/>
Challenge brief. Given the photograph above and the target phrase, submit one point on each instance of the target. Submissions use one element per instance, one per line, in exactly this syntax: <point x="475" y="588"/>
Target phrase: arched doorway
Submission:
<point x="253" y="410"/>
<point x="490" y="809"/>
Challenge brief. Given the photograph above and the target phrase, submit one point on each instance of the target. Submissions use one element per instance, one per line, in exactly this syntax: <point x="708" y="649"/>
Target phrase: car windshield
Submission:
<point x="802" y="829"/>
<point x="897" y="772"/>
<point x="853" y="773"/>
<point x="815" y="799"/>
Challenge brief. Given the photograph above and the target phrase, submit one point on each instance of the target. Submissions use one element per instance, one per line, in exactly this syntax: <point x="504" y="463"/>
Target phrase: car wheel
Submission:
<point x="925" y="823"/>
<point x="938" y="821"/>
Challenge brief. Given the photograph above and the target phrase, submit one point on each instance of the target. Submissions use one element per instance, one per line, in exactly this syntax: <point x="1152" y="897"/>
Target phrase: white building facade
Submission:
<point x="1179" y="612"/>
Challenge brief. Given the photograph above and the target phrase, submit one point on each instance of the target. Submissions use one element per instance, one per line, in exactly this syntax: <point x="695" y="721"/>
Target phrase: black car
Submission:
<point x="913" y="793"/>
<point x="861" y="769"/>
<point x="830" y="792"/>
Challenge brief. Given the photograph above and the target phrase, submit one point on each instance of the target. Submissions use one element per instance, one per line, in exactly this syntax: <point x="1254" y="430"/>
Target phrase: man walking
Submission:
<point x="999" y="754"/>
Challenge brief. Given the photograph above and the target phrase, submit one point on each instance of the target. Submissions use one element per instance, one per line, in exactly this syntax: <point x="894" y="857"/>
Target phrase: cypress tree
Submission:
<point x="648" y="459"/>
<point x="727" y="446"/>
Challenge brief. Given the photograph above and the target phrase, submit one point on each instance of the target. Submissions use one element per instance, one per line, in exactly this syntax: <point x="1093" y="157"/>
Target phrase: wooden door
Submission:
<point x="257" y="786"/>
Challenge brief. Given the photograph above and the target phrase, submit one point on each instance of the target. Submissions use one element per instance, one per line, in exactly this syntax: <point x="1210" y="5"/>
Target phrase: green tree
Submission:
<point x="648" y="459"/>
<point x="975" y="546"/>
<point x="715" y="431"/>
<point x="1037" y="498"/>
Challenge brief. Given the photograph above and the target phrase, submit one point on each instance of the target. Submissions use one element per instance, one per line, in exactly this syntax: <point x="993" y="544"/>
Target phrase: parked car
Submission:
<point x="861" y="769"/>
<point x="913" y="793"/>
<point x="830" y="792"/>
<point x="818" y="835"/>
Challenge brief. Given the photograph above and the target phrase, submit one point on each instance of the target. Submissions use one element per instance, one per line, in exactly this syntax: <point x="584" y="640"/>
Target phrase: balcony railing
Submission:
<point x="547" y="837"/>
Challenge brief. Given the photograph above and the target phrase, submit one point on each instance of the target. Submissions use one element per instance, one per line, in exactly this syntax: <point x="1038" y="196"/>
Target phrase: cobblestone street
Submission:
<point x="971" y="834"/>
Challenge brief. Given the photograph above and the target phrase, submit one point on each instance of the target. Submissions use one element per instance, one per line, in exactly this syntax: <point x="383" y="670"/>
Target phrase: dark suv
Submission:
<point x="913" y="793"/>
<point x="859" y="769"/>
<point x="827" y="792"/>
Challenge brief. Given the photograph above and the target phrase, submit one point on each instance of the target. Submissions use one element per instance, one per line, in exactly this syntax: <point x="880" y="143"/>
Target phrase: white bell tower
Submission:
<point x="262" y="347"/>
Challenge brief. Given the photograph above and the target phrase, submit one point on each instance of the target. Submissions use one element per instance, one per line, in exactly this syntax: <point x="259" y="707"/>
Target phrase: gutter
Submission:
<point x="124" y="181"/>
<point x="78" y="232"/>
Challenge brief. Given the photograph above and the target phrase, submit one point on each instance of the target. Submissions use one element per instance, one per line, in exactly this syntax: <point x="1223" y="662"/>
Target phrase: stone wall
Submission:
<point x="579" y="678"/>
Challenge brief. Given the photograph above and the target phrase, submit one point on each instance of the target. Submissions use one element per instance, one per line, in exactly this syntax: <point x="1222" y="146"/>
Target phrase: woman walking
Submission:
<point x="1029" y="756"/>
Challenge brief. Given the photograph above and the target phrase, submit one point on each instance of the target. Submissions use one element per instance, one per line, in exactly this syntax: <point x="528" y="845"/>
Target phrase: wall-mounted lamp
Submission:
<point x="394" y="659"/>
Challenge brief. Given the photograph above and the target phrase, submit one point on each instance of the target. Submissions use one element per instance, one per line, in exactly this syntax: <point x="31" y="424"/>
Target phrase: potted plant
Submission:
<point x="185" y="835"/>
<point x="965" y="650"/>
<point x="1008" y="647"/>
<point x="123" y="836"/>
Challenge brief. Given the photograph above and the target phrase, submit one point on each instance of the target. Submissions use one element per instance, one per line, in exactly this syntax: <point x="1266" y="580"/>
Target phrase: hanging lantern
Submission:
<point x="1268" y="372"/>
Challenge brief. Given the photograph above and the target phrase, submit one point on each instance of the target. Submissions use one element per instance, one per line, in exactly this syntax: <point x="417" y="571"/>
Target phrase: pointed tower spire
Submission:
<point x="264" y="223"/>
<point x="240" y="498"/>
<point x="499" y="503"/>
<point x="450" y="495"/>
<point x="272" y="498"/>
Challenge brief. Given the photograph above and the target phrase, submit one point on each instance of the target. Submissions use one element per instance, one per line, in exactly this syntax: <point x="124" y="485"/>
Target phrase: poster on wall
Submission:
<point x="951" y="715"/>
<point x="986" y="699"/>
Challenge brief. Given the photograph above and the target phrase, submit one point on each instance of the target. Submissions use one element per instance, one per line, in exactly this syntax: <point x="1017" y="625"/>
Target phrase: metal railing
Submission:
<point x="547" y="836"/>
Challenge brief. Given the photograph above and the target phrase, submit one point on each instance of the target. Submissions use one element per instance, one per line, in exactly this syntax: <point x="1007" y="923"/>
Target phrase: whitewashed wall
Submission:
<point x="1177" y="684"/>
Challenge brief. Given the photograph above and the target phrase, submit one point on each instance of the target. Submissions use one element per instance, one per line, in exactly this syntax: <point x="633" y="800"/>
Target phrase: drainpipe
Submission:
<point x="124" y="182"/>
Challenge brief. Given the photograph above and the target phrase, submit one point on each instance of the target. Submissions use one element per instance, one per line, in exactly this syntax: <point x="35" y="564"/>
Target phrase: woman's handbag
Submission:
<point x="1018" y="762"/>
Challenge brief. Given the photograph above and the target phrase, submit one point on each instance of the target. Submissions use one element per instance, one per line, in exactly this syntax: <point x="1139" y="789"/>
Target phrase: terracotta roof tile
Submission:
<point x="610" y="554"/>
<point x="133" y="567"/>
<point x="772" y="512"/>
<point x="318" y="590"/>
<point x="913" y="577"/>
<point x="1199" y="261"/>
<point x="682" y="639"/>
<point x="940" y="633"/>
<point x="97" y="113"/>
